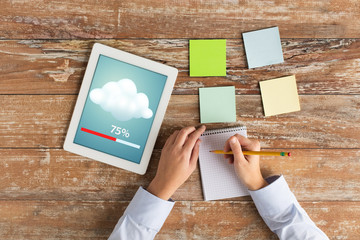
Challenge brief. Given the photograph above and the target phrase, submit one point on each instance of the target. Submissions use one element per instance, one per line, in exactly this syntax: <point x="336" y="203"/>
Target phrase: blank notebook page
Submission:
<point x="218" y="177"/>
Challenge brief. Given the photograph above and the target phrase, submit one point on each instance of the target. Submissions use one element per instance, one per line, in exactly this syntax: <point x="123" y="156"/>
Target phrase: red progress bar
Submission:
<point x="98" y="134"/>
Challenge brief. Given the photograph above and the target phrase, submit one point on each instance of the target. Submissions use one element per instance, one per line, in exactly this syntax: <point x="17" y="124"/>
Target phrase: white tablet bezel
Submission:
<point x="168" y="71"/>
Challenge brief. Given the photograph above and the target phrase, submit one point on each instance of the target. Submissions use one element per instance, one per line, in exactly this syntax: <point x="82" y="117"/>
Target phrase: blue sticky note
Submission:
<point x="263" y="47"/>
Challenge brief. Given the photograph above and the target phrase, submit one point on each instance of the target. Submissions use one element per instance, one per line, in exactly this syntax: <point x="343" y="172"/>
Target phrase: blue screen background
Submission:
<point x="96" y="119"/>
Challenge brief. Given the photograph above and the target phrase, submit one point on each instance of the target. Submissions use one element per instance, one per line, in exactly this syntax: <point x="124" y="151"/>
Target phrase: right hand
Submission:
<point x="247" y="167"/>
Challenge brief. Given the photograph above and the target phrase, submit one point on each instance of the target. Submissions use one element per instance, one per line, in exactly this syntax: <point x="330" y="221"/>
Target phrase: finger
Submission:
<point x="229" y="157"/>
<point x="172" y="138"/>
<point x="227" y="145"/>
<point x="248" y="144"/>
<point x="193" y="137"/>
<point x="237" y="151"/>
<point x="227" y="148"/>
<point x="167" y="141"/>
<point x="195" y="154"/>
<point x="183" y="134"/>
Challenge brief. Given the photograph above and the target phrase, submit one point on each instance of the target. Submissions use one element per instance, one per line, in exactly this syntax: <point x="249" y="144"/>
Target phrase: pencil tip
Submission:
<point x="289" y="154"/>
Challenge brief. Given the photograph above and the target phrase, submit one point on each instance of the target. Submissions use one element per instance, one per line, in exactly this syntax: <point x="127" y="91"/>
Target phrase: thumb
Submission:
<point x="236" y="149"/>
<point x="195" y="154"/>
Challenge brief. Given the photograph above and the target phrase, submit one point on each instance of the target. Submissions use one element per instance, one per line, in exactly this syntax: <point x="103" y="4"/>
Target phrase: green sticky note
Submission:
<point x="207" y="58"/>
<point x="217" y="104"/>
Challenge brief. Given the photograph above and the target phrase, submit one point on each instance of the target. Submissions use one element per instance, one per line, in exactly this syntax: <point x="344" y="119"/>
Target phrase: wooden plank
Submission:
<point x="176" y="19"/>
<point x="188" y="220"/>
<point x="321" y="66"/>
<point x="47" y="193"/>
<point x="41" y="121"/>
<point x="35" y="174"/>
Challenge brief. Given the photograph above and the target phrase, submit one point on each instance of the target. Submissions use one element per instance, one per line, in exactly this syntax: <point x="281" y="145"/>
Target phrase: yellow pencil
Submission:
<point x="255" y="153"/>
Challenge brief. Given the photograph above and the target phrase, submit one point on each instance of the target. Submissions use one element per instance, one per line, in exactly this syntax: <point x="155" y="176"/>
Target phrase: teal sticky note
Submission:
<point x="217" y="104"/>
<point x="207" y="57"/>
<point x="263" y="47"/>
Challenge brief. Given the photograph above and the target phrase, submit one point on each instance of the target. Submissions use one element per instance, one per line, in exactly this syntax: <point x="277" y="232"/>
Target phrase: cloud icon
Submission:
<point x="122" y="100"/>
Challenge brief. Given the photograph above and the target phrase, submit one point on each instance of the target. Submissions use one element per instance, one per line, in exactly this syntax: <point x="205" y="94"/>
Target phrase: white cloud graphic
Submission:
<point x="122" y="100"/>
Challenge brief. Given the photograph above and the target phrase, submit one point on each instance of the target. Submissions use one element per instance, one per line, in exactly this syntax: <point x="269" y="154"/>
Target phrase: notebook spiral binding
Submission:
<point x="223" y="130"/>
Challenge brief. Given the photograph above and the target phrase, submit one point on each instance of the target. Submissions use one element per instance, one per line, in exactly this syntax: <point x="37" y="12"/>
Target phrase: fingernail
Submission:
<point x="232" y="140"/>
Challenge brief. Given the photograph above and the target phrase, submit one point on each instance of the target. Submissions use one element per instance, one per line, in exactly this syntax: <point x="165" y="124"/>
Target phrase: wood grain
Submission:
<point x="321" y="66"/>
<point x="41" y="121"/>
<point x="53" y="174"/>
<point x="176" y="19"/>
<point x="188" y="220"/>
<point x="47" y="193"/>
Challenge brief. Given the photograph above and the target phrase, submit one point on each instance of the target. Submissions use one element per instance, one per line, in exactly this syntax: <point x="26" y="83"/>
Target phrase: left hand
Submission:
<point x="178" y="160"/>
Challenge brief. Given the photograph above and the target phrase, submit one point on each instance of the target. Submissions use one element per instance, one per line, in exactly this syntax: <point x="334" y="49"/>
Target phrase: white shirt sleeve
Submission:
<point x="282" y="213"/>
<point x="143" y="218"/>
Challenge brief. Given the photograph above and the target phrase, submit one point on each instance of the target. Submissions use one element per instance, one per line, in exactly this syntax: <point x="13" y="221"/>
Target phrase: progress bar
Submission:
<point x="111" y="138"/>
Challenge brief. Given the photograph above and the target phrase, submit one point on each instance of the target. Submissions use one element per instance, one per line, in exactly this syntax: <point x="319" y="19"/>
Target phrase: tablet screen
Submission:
<point x="119" y="109"/>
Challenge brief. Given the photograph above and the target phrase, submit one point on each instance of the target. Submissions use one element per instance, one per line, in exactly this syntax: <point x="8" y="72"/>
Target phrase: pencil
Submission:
<point x="255" y="153"/>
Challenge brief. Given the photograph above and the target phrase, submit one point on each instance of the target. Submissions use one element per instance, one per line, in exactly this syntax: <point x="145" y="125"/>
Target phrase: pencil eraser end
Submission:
<point x="289" y="154"/>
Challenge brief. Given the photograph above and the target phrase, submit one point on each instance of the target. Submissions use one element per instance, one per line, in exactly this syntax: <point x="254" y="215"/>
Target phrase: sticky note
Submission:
<point x="263" y="47"/>
<point x="279" y="96"/>
<point x="207" y="58"/>
<point x="217" y="104"/>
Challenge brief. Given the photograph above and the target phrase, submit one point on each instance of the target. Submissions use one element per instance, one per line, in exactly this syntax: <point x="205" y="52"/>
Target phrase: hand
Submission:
<point x="247" y="167"/>
<point x="178" y="160"/>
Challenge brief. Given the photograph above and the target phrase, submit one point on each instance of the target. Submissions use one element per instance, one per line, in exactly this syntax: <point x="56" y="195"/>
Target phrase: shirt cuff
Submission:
<point x="148" y="210"/>
<point x="274" y="198"/>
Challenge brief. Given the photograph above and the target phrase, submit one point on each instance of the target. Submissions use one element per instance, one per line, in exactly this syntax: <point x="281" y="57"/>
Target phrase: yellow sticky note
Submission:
<point x="279" y="95"/>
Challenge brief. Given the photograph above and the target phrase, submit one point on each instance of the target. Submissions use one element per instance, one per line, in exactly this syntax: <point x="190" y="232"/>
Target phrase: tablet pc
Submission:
<point x="120" y="107"/>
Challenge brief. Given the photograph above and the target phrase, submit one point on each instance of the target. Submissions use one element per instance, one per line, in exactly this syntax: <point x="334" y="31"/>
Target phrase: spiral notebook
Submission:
<point x="218" y="177"/>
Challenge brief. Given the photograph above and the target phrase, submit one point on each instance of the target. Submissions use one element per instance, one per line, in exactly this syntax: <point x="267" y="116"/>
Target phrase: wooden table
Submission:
<point x="47" y="193"/>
